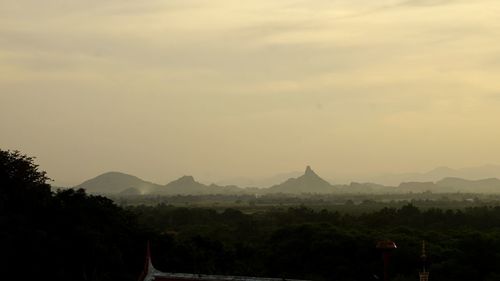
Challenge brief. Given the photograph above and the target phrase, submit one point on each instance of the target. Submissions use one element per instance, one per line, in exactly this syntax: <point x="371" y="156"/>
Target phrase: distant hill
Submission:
<point x="309" y="182"/>
<point x="116" y="182"/>
<point x="469" y="173"/>
<point x="451" y="184"/>
<point x="183" y="185"/>
<point x="491" y="185"/>
<point x="187" y="185"/>
<point x="126" y="185"/>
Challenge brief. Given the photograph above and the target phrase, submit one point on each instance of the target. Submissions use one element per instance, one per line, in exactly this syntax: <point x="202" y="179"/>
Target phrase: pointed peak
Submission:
<point x="309" y="171"/>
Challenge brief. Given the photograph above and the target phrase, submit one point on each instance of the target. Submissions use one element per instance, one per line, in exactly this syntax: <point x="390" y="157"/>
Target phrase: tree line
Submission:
<point x="62" y="235"/>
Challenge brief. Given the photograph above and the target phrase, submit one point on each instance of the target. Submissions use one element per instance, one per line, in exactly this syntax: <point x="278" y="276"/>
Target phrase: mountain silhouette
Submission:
<point x="116" y="182"/>
<point x="127" y="185"/>
<point x="490" y="185"/>
<point x="187" y="185"/>
<point x="439" y="173"/>
<point x="183" y="185"/>
<point x="309" y="182"/>
<point x="453" y="184"/>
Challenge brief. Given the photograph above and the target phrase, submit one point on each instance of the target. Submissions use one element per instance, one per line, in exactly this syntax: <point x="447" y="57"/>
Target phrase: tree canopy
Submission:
<point x="22" y="185"/>
<point x="61" y="235"/>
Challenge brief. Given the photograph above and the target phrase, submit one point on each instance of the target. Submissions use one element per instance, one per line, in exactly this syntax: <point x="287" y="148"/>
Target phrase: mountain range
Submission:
<point x="434" y="175"/>
<point x="308" y="182"/>
<point x="124" y="184"/>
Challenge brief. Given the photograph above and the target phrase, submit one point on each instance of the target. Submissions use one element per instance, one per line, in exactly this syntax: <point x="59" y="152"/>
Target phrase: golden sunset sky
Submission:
<point x="222" y="89"/>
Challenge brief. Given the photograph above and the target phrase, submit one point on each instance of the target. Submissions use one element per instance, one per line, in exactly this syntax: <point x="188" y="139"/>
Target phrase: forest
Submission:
<point x="70" y="235"/>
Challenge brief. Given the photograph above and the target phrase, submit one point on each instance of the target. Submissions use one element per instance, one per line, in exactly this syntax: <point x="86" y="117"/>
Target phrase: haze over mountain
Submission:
<point x="262" y="182"/>
<point x="490" y="185"/>
<point x="123" y="184"/>
<point x="469" y="173"/>
<point x="308" y="182"/>
<point x="356" y="187"/>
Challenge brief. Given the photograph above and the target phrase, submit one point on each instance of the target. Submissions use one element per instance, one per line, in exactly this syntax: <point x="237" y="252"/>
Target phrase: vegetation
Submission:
<point x="70" y="235"/>
<point x="301" y="243"/>
<point x="64" y="235"/>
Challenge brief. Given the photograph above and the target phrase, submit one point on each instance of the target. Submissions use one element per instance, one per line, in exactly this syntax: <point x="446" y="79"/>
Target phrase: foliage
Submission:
<point x="66" y="235"/>
<point x="22" y="185"/>
<point x="299" y="242"/>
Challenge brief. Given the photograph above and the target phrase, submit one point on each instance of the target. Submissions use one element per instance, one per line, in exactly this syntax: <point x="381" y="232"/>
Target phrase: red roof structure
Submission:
<point x="152" y="274"/>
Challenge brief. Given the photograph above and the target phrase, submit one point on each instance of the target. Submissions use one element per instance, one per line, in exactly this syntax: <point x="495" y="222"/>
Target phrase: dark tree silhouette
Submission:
<point x="63" y="235"/>
<point x="23" y="187"/>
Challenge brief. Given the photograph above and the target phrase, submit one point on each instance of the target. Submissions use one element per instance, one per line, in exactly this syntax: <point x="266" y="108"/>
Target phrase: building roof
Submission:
<point x="163" y="276"/>
<point x="150" y="273"/>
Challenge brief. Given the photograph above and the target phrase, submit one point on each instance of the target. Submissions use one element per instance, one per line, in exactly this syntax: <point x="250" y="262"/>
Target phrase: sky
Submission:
<point x="222" y="89"/>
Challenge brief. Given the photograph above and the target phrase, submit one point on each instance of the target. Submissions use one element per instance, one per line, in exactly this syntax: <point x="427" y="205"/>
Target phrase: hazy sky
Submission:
<point x="222" y="89"/>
